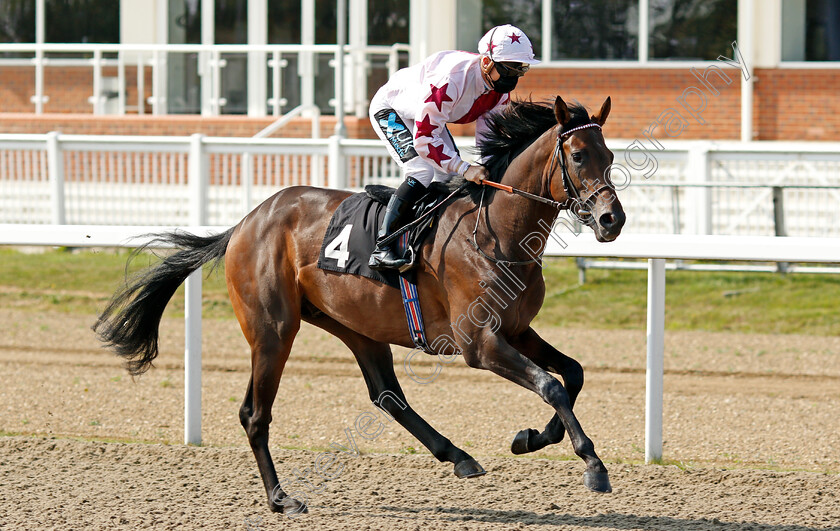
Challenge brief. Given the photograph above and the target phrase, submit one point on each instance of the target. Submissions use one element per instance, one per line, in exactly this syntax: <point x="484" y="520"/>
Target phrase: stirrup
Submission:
<point x="382" y="259"/>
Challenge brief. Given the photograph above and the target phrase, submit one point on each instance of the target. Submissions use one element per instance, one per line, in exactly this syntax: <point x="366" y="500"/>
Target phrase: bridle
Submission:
<point x="573" y="196"/>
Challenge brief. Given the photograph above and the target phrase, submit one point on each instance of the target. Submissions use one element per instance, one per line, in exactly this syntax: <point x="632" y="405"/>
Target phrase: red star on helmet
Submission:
<point x="425" y="127"/>
<point x="514" y="37"/>
<point x="438" y="95"/>
<point x="490" y="47"/>
<point x="436" y="154"/>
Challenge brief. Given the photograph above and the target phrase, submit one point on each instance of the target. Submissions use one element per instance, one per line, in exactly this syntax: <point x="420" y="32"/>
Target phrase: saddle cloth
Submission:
<point x="351" y="234"/>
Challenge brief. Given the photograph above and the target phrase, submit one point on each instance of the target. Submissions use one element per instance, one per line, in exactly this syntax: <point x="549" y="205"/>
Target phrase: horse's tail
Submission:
<point x="129" y="324"/>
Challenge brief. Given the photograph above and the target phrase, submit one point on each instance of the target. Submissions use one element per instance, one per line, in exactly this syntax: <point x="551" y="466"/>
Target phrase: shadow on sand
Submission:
<point x="608" y="521"/>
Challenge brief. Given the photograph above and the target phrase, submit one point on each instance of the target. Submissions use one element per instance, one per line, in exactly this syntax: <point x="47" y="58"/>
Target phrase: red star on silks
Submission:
<point x="438" y="95"/>
<point x="514" y="37"/>
<point x="436" y="154"/>
<point x="425" y="127"/>
<point x="490" y="47"/>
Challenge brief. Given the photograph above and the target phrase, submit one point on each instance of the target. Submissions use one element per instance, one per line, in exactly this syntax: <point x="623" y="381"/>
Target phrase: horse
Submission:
<point x="483" y="250"/>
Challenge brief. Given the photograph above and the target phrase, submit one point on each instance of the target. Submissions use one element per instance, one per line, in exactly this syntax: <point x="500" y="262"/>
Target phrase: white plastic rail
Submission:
<point x="656" y="248"/>
<point x="659" y="247"/>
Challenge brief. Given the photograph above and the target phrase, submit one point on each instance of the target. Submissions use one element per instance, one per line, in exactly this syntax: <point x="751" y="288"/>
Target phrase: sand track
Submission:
<point x="752" y="421"/>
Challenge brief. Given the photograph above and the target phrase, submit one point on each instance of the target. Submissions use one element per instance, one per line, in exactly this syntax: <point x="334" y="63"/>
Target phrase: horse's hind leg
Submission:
<point x="269" y="352"/>
<point x="377" y="364"/>
<point x="535" y="348"/>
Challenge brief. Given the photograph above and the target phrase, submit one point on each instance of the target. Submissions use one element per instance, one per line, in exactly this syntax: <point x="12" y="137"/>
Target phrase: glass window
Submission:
<point x="476" y="17"/>
<point x="595" y="29"/>
<point x="284" y="21"/>
<point x="691" y="29"/>
<point x="183" y="82"/>
<point x="17" y="24"/>
<point x="284" y="27"/>
<point x="231" y="27"/>
<point x="524" y="14"/>
<point x="17" y="21"/>
<point x="387" y="22"/>
<point x="184" y="22"/>
<point x="231" y="17"/>
<point x="94" y="21"/>
<point x="325" y="33"/>
<point x="810" y="30"/>
<point x="285" y="18"/>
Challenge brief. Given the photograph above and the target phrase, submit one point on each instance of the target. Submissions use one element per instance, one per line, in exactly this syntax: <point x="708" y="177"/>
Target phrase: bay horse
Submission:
<point x="553" y="156"/>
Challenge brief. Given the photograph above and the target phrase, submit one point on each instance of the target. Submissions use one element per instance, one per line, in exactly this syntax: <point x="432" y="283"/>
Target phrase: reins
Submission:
<point x="511" y="190"/>
<point x="474" y="241"/>
<point x="572" y="195"/>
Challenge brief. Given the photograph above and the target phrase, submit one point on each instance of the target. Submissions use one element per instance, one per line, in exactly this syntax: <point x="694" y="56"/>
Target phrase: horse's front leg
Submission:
<point x="548" y="358"/>
<point x="493" y="352"/>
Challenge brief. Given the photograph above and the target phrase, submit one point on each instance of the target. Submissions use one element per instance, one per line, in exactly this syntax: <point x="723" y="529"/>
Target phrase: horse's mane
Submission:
<point x="512" y="130"/>
<point x="516" y="128"/>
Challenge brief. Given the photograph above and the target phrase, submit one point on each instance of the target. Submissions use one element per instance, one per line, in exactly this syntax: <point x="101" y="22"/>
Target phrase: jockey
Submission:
<point x="410" y="113"/>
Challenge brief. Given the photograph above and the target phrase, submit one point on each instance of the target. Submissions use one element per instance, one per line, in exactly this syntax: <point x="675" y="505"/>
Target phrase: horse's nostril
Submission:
<point x="607" y="220"/>
<point x="612" y="222"/>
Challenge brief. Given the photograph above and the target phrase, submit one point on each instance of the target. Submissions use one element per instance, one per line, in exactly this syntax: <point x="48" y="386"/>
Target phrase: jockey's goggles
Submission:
<point x="511" y="69"/>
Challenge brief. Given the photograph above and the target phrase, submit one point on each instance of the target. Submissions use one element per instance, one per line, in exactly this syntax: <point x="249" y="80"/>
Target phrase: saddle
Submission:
<point x="351" y="234"/>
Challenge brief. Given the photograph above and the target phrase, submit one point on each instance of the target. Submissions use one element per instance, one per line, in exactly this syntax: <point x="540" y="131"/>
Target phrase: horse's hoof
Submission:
<point x="597" y="481"/>
<point x="522" y="442"/>
<point x="469" y="468"/>
<point x="288" y="506"/>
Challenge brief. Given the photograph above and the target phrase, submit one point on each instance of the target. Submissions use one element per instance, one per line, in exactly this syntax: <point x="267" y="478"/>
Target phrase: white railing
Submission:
<point x="136" y="62"/>
<point x="656" y="248"/>
<point x="761" y="188"/>
<point x="755" y="188"/>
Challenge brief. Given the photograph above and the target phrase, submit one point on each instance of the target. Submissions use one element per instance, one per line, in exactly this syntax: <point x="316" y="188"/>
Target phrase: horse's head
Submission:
<point x="578" y="171"/>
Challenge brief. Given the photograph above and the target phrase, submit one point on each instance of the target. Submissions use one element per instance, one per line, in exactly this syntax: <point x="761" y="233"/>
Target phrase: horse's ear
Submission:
<point x="561" y="112"/>
<point x="601" y="117"/>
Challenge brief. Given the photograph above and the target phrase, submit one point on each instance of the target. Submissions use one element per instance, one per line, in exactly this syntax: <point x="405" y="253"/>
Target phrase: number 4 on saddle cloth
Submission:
<point x="351" y="238"/>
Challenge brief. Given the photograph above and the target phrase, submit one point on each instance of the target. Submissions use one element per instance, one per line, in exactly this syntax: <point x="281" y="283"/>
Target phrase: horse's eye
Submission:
<point x="576" y="157"/>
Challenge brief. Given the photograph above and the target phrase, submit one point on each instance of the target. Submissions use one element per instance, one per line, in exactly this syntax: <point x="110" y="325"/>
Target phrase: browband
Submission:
<point x="578" y="128"/>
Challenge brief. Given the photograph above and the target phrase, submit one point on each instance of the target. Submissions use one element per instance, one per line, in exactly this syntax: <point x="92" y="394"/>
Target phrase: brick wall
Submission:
<point x="172" y="125"/>
<point x="797" y="104"/>
<point x="788" y="104"/>
<point x="68" y="88"/>
<point x="639" y="97"/>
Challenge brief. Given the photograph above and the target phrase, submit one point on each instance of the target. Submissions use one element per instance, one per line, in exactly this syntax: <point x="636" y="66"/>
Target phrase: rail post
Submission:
<point x="337" y="177"/>
<point x="39" y="99"/>
<point x="779" y="220"/>
<point x="655" y="360"/>
<point x="96" y="99"/>
<point x="198" y="180"/>
<point x="55" y="169"/>
<point x="698" y="217"/>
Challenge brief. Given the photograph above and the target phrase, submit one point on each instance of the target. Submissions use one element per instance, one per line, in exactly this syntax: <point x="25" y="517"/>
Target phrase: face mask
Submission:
<point x="505" y="84"/>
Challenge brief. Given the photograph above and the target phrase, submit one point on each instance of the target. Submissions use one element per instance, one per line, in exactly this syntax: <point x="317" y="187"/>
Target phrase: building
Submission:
<point x="231" y="67"/>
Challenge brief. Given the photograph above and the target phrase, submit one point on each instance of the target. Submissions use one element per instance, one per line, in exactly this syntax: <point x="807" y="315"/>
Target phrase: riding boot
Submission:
<point x="396" y="215"/>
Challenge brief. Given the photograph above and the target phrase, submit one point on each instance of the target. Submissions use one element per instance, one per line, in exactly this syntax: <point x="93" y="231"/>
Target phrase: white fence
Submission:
<point x="117" y="180"/>
<point x="759" y="188"/>
<point x="735" y="188"/>
<point x="656" y="248"/>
